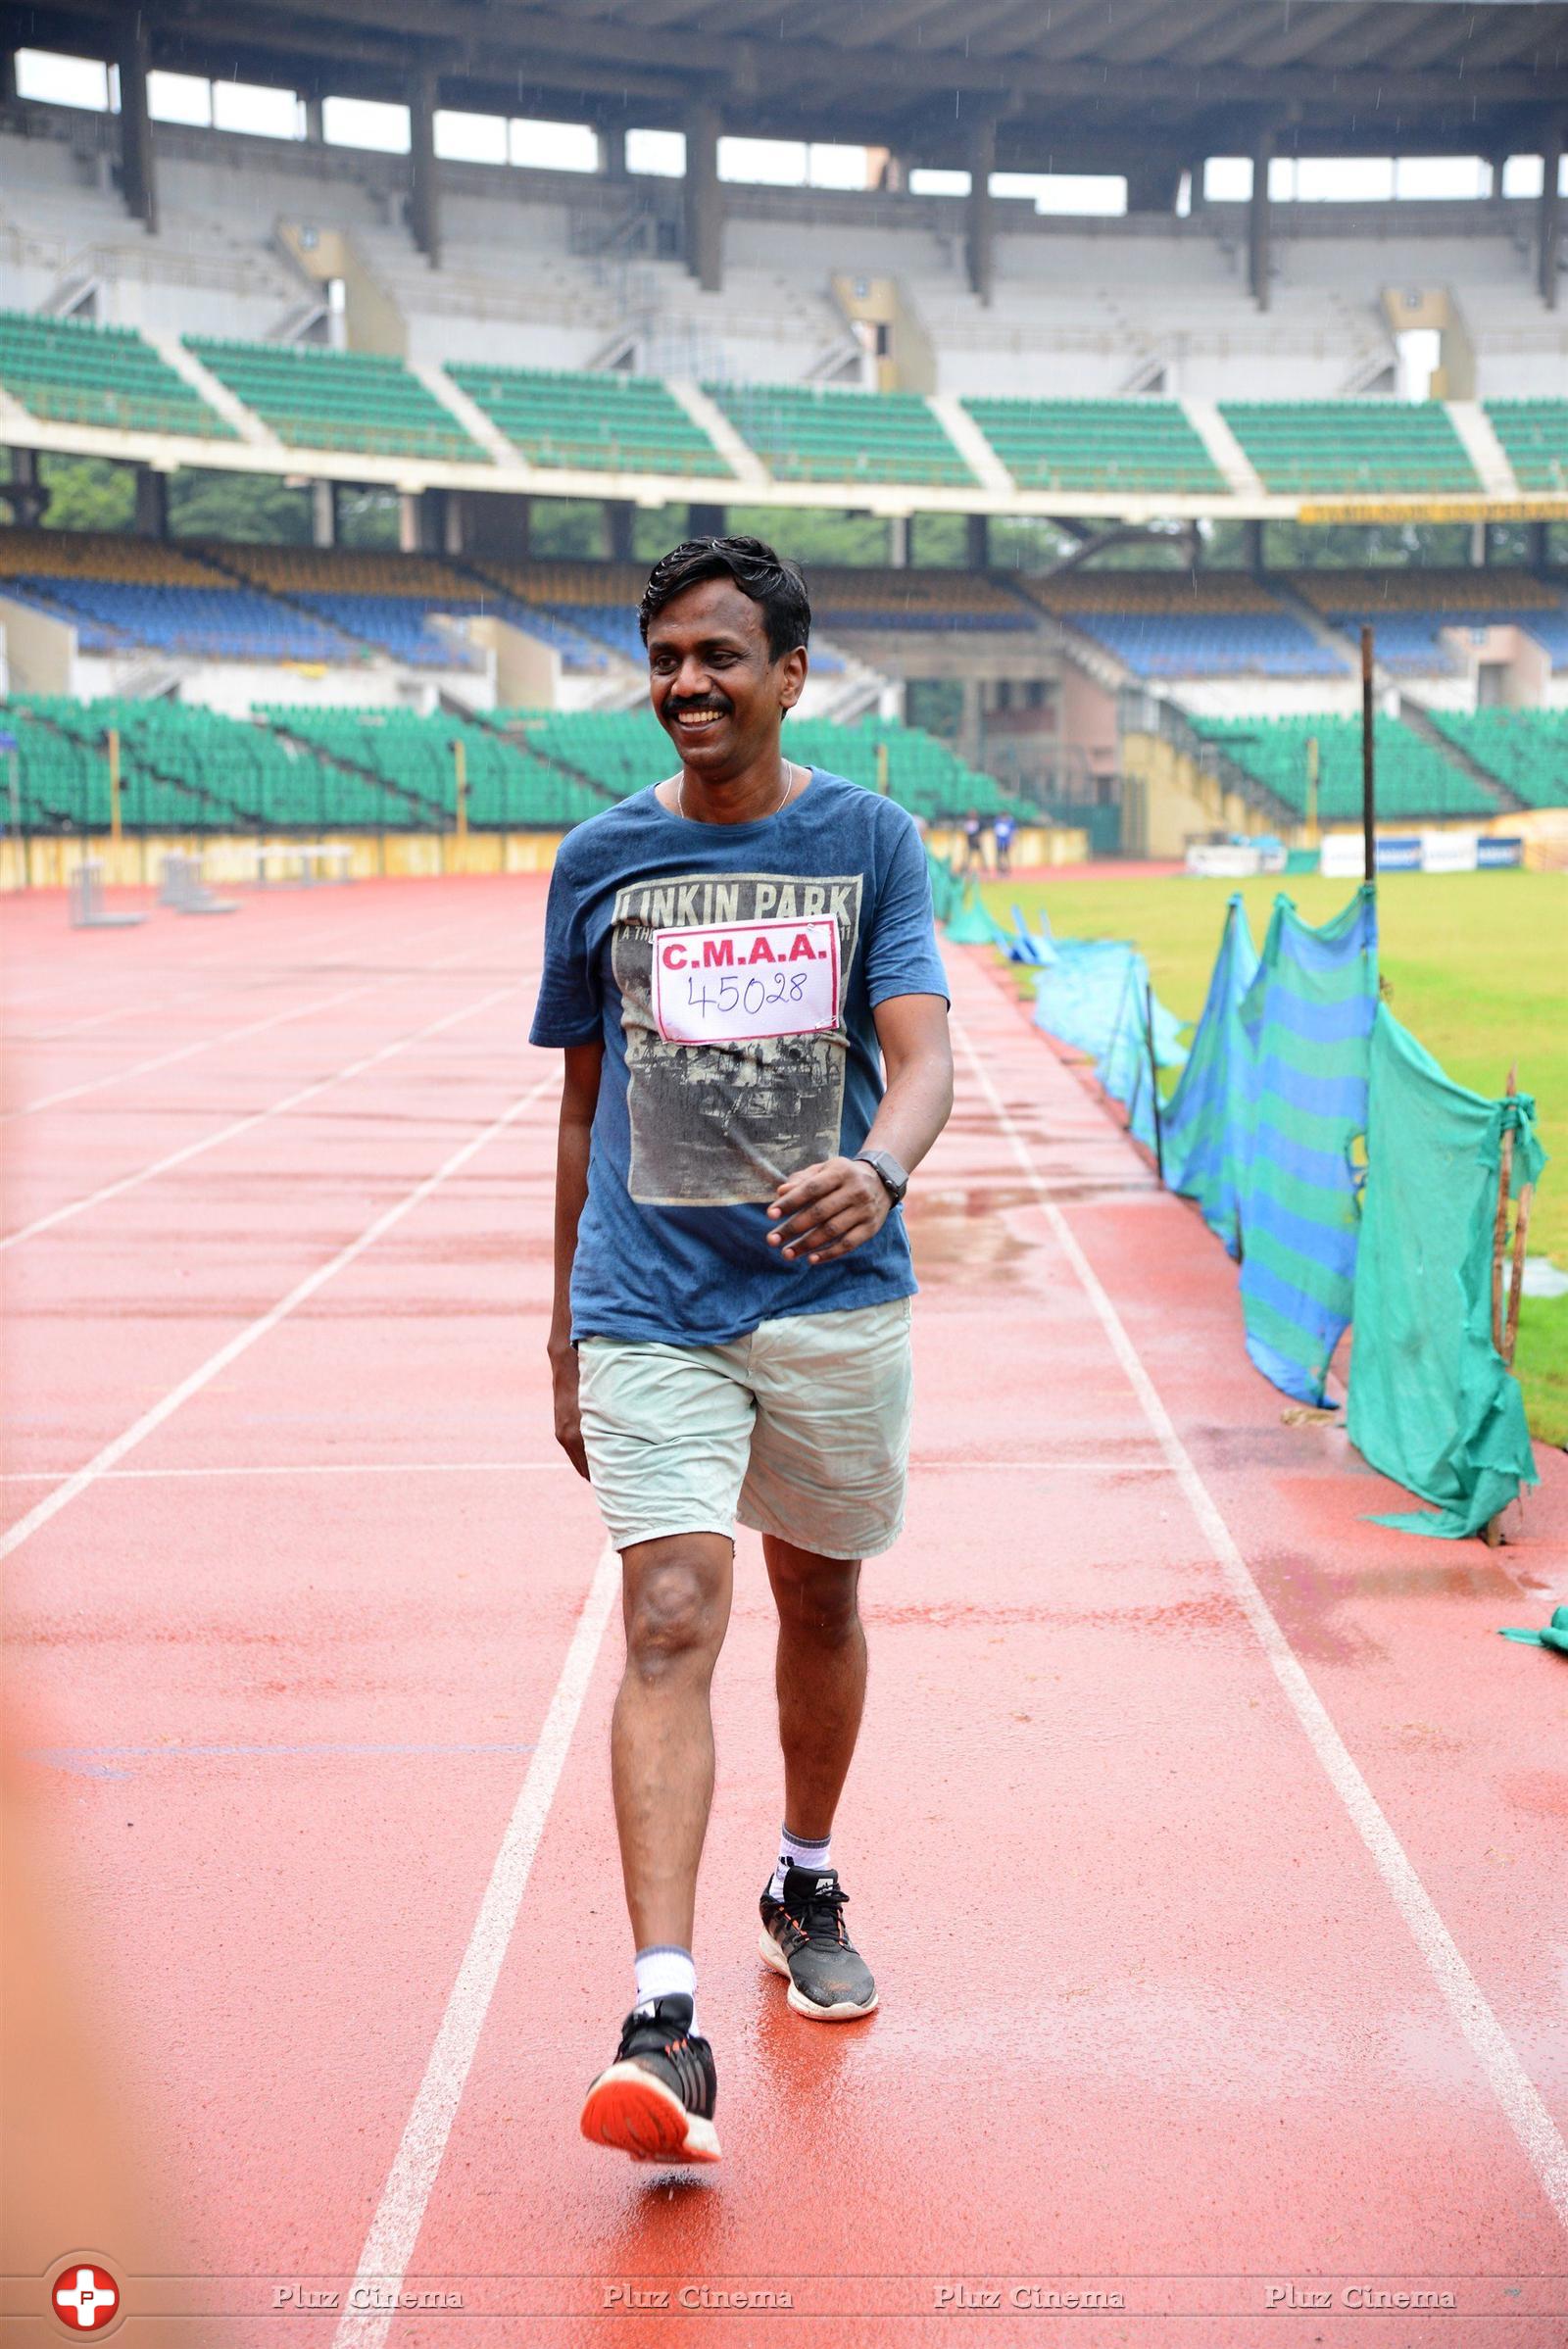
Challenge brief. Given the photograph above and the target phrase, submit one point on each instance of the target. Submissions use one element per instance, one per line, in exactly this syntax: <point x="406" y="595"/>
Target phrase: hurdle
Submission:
<point x="327" y="859"/>
<point x="87" y="908"/>
<point x="180" y="885"/>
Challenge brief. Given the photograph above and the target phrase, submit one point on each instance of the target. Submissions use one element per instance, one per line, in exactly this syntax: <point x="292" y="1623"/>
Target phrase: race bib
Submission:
<point x="745" y="980"/>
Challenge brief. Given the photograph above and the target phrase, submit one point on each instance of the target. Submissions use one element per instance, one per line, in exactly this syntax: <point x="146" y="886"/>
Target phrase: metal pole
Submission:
<point x="21" y="847"/>
<point x="1368" y="799"/>
<point x="113" y="784"/>
<point x="460" y="759"/>
<point x="1314" y="765"/>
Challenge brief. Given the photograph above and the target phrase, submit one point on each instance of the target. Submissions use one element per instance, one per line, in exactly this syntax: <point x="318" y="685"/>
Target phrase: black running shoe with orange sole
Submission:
<point x="802" y="1938"/>
<point x="655" y="2101"/>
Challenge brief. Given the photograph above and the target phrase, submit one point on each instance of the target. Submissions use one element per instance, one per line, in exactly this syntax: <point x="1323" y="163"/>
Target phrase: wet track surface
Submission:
<point x="1210" y="1850"/>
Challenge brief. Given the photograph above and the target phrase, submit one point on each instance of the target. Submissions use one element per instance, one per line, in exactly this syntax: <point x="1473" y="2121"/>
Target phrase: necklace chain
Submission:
<point x="789" y="786"/>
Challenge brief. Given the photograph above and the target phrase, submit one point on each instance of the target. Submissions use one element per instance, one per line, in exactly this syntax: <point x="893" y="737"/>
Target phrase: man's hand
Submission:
<point x="827" y="1209"/>
<point x="568" y="1418"/>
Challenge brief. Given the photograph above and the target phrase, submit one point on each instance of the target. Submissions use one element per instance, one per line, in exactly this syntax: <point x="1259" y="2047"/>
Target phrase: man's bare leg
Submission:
<point x="675" y="1601"/>
<point x="656" y="2100"/>
<point x="820" y="1677"/>
<point x="821" y="1692"/>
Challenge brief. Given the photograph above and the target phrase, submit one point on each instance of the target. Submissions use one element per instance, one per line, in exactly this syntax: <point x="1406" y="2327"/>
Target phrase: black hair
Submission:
<point x="768" y="578"/>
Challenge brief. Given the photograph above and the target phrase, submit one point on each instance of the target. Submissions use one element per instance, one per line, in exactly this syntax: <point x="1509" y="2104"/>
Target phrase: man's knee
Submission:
<point x="674" y="1607"/>
<point x="817" y="1595"/>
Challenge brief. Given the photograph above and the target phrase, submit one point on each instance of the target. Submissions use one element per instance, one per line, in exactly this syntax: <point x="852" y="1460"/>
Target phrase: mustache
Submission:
<point x="714" y="702"/>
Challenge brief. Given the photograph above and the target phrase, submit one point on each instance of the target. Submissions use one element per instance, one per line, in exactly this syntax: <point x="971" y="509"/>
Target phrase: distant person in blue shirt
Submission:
<point x="733" y="957"/>
<point x="1002" y="831"/>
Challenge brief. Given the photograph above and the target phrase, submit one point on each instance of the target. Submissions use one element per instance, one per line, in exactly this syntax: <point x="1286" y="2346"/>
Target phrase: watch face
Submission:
<point x="890" y="1173"/>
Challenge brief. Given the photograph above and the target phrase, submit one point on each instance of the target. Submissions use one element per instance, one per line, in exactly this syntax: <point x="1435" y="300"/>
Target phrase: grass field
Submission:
<point x="1475" y="964"/>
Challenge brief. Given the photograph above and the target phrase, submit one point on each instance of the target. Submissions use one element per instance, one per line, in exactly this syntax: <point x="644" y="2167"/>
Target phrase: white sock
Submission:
<point x="664" y="1971"/>
<point x="798" y="1851"/>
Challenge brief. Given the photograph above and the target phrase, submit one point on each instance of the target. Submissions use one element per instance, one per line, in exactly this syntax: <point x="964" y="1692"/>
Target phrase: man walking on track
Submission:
<point x="733" y="959"/>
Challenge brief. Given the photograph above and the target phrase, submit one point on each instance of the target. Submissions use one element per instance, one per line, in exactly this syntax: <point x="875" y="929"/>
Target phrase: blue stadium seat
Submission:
<point x="1214" y="643"/>
<point x="225" y="623"/>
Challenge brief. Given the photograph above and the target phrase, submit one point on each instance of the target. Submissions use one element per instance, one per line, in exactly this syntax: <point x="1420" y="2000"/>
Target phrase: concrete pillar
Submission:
<point x="620" y="516"/>
<point x="138" y="181"/>
<point x="1549" y="244"/>
<point x="430" y="521"/>
<point x="612" y="151"/>
<point x="1478" y="546"/>
<point x="980" y="240"/>
<point x="899" y="541"/>
<point x="26" y="494"/>
<point x="977" y="541"/>
<point x="314" y="129"/>
<point x="323" y="514"/>
<point x="1258" y="221"/>
<point x="1153" y="183"/>
<point x="152" y="503"/>
<point x="8" y="76"/>
<point x="705" y="521"/>
<point x="704" y="199"/>
<point x="424" y="202"/>
<point x="971" y="724"/>
<point x="409" y="520"/>
<point x="495" y="526"/>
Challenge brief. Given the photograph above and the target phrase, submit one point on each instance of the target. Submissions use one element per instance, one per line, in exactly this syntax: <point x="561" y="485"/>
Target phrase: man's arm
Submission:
<point x="578" y="1100"/>
<point x="826" y="1210"/>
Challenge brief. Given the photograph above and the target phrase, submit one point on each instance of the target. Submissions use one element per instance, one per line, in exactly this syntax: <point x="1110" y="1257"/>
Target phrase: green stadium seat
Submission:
<point x="1415" y="782"/>
<point x="1097" y="444"/>
<point x="810" y="432"/>
<point x="605" y="422"/>
<point x="314" y="398"/>
<point x="70" y="371"/>
<point x="1366" y="448"/>
<point x="1535" y="439"/>
<point x="1527" y="750"/>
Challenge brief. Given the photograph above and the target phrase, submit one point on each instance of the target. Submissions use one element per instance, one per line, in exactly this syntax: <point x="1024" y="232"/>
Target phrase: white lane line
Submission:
<point x="140" y="1429"/>
<point x="257" y="1117"/>
<point x="1532" y="2124"/>
<point x="394" y="2232"/>
<point x="207" y="1044"/>
<point x="54" y="1476"/>
<point x="49" y="1475"/>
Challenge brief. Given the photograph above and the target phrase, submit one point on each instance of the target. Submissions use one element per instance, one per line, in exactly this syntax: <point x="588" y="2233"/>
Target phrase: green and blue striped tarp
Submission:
<point x="1207" y="1125"/>
<point x="1263" y="1129"/>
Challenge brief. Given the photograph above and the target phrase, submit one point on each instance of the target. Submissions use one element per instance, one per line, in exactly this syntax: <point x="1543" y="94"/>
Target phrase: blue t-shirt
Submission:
<point x="828" y="901"/>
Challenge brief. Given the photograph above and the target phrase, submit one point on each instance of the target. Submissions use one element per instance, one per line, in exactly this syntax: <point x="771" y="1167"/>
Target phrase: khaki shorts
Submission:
<point x="800" y="1429"/>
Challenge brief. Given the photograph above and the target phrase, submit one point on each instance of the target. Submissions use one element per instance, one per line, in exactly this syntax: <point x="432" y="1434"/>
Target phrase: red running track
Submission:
<point x="1207" y="1844"/>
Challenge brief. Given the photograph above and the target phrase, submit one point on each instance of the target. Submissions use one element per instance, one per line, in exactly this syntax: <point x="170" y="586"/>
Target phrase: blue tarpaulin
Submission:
<point x="1094" y="996"/>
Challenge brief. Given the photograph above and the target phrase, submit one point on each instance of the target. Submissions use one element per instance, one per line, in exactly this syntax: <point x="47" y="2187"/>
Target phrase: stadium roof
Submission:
<point x="1072" y="85"/>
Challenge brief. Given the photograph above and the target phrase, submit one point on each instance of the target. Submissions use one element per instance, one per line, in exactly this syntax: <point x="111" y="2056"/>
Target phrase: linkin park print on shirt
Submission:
<point x="722" y="1122"/>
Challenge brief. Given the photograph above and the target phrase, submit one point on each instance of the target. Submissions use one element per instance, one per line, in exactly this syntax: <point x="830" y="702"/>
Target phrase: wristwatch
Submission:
<point x="895" y="1181"/>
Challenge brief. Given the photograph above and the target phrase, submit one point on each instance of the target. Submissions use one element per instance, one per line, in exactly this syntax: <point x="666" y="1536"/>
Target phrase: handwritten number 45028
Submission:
<point x="727" y="994"/>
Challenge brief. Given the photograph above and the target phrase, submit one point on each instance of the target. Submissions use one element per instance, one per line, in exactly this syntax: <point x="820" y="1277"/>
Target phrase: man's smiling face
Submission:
<point x="716" y="689"/>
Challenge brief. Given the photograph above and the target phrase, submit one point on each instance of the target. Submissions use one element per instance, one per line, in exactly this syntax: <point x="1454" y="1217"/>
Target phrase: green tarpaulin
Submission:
<point x="1554" y="1634"/>
<point x="1432" y="1403"/>
<point x="945" y="891"/>
<point x="970" y="924"/>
